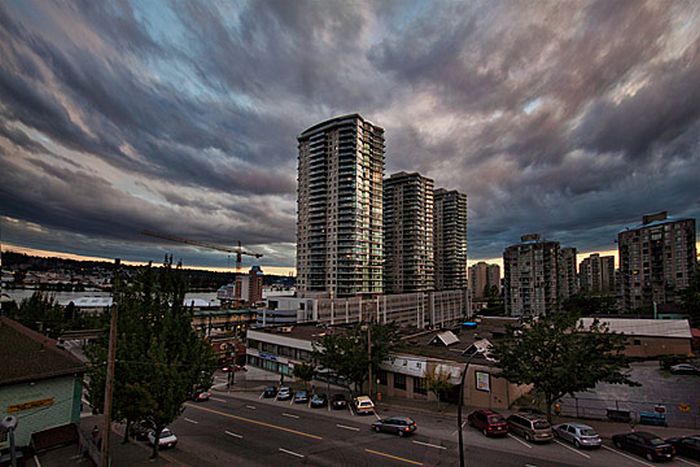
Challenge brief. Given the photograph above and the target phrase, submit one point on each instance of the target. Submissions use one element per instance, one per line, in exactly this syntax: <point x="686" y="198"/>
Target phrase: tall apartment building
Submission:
<point x="450" y="239"/>
<point x="533" y="274"/>
<point x="568" y="273"/>
<point x="248" y="288"/>
<point x="339" y="208"/>
<point x="482" y="277"/>
<point x="657" y="259"/>
<point x="408" y="233"/>
<point x="597" y="275"/>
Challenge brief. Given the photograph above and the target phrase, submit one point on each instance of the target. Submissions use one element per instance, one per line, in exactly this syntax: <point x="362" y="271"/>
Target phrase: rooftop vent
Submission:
<point x="446" y="338"/>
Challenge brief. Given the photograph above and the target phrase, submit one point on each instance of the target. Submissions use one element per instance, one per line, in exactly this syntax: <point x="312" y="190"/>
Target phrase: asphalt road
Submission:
<point x="245" y="430"/>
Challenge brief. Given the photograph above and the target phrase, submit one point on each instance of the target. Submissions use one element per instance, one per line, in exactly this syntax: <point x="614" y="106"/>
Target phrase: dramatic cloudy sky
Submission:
<point x="566" y="118"/>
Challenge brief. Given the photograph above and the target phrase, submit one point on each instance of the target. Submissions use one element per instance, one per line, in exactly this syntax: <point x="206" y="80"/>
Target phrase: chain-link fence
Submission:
<point x="683" y="415"/>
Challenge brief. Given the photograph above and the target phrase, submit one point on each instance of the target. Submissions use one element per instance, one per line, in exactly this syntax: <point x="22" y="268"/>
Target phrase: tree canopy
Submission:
<point x="345" y="353"/>
<point x="160" y="359"/>
<point x="558" y="356"/>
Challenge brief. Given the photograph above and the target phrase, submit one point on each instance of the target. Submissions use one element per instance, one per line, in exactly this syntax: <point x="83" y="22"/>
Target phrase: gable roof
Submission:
<point x="646" y="327"/>
<point x="29" y="356"/>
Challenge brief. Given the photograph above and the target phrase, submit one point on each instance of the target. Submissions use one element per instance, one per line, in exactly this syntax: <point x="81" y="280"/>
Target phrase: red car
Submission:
<point x="490" y="423"/>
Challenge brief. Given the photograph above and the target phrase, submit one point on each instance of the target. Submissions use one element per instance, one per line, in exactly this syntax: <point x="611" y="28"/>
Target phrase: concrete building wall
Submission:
<point x="450" y="239"/>
<point x="56" y="402"/>
<point x="643" y="346"/>
<point x="597" y="275"/>
<point x="483" y="276"/>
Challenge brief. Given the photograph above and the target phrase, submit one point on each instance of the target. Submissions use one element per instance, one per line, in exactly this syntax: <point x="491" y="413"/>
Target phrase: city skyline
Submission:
<point x="184" y="118"/>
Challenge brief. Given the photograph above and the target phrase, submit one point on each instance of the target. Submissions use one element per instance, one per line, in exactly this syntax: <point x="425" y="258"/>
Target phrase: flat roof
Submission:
<point x="335" y="120"/>
<point x="678" y="328"/>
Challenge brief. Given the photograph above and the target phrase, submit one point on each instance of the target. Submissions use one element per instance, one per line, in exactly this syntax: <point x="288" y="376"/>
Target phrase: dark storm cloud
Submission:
<point x="568" y="118"/>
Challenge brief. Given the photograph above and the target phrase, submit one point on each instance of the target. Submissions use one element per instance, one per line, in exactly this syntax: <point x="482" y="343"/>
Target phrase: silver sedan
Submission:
<point x="578" y="434"/>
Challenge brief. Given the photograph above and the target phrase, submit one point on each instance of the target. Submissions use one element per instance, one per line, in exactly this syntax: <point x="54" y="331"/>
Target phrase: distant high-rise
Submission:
<point x="450" y="239"/>
<point x="597" y="275"/>
<point x="339" y="208"/>
<point x="568" y="273"/>
<point x="248" y="289"/>
<point x="408" y="233"/>
<point x="484" y="277"/>
<point x="532" y="276"/>
<point x="657" y="259"/>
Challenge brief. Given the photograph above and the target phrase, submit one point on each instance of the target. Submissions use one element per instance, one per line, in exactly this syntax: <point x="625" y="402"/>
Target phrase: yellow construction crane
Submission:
<point x="238" y="251"/>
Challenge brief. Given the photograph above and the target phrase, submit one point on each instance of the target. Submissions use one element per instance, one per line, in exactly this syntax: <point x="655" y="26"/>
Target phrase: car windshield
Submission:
<point x="656" y="441"/>
<point x="301" y="393"/>
<point x="363" y="404"/>
<point x="588" y="432"/>
<point x="496" y="419"/>
<point x="541" y="425"/>
<point x="165" y="433"/>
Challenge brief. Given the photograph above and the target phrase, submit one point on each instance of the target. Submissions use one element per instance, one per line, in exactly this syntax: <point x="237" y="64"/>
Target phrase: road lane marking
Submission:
<point x="217" y="399"/>
<point x="686" y="462"/>
<point x="235" y="435"/>
<point x="256" y="422"/>
<point x="456" y="431"/>
<point x="261" y="394"/>
<point x="436" y="446"/>
<point x="289" y="415"/>
<point x="345" y="427"/>
<point x="291" y="453"/>
<point x="527" y="445"/>
<point x="375" y="414"/>
<point x="626" y="455"/>
<point x="572" y="449"/>
<point x="390" y="456"/>
<point x="189" y="420"/>
<point x="291" y="401"/>
<point x="251" y="407"/>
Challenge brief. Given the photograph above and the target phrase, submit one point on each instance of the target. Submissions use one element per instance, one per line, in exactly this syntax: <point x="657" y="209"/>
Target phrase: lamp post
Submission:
<point x="8" y="424"/>
<point x="460" y="403"/>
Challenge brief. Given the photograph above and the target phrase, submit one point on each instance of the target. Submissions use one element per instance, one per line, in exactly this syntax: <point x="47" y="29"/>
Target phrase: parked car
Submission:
<point x="200" y="395"/>
<point x="363" y="405"/>
<point x="686" y="446"/>
<point x="578" y="434"/>
<point x="533" y="427"/>
<point x="402" y="426"/>
<point x="301" y="397"/>
<point x="167" y="438"/>
<point x="269" y="392"/>
<point x="644" y="444"/>
<point x="338" y="402"/>
<point x="490" y="423"/>
<point x="685" y="369"/>
<point x="319" y="400"/>
<point x="284" y="394"/>
<point x="140" y="430"/>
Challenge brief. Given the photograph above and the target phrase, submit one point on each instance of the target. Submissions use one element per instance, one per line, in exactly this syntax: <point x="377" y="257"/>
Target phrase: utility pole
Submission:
<point x="369" y="352"/>
<point x="460" y="403"/>
<point x="109" y="379"/>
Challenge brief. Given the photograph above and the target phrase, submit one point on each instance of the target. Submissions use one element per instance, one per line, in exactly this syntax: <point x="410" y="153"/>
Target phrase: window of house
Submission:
<point x="419" y="386"/>
<point x="381" y="376"/>
<point x="637" y="342"/>
<point x="399" y="381"/>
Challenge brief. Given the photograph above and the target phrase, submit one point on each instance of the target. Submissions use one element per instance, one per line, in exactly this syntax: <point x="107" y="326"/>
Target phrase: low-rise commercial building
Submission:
<point x="650" y="337"/>
<point x="40" y="385"/>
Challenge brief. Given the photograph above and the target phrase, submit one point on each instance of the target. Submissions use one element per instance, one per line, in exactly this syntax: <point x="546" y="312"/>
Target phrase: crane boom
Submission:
<point x="211" y="246"/>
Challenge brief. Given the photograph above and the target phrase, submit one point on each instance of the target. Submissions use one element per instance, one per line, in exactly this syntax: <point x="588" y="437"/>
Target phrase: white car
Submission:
<point x="167" y="438"/>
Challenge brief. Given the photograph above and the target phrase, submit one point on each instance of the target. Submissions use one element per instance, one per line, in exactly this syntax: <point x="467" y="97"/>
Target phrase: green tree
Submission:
<point x="346" y="355"/>
<point x="438" y="382"/>
<point x="690" y="298"/>
<point x="585" y="304"/>
<point x="41" y="313"/>
<point x="558" y="356"/>
<point x="160" y="358"/>
<point x="304" y="372"/>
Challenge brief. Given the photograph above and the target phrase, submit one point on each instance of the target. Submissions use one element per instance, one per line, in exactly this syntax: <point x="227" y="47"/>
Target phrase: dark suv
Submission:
<point x="532" y="427"/>
<point x="490" y="423"/>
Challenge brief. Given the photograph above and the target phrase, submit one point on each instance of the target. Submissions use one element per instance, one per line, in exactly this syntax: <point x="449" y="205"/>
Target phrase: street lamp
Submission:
<point x="8" y="425"/>
<point x="460" y="403"/>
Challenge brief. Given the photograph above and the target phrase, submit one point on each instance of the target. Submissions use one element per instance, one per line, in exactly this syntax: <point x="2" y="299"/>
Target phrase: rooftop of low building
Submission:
<point x="30" y="356"/>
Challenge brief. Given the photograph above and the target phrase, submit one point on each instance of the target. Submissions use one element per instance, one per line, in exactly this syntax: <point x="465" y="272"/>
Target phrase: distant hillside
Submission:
<point x="198" y="279"/>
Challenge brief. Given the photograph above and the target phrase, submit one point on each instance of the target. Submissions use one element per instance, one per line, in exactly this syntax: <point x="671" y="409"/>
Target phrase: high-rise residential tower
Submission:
<point x="339" y="208"/>
<point x="568" y="273"/>
<point x="450" y="239"/>
<point x="657" y="259"/>
<point x="533" y="273"/>
<point x="597" y="275"/>
<point x="408" y="233"/>
<point x="484" y="277"/>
